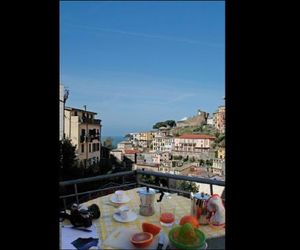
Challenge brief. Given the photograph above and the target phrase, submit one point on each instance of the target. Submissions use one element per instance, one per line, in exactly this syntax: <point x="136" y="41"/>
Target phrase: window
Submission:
<point x="75" y="113"/>
<point x="94" y="147"/>
<point x="82" y="131"/>
<point x="82" y="148"/>
<point x="98" y="146"/>
<point x="90" y="148"/>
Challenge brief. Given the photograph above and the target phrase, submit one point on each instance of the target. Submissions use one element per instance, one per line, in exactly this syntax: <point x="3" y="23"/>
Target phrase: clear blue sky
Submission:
<point x="137" y="63"/>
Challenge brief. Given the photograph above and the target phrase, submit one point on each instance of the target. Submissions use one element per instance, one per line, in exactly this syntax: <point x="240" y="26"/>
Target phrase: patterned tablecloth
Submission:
<point x="106" y="223"/>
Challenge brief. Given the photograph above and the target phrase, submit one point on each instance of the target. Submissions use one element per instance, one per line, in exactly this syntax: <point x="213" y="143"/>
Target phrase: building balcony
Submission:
<point x="90" y="138"/>
<point x="90" y="121"/>
<point x="74" y="191"/>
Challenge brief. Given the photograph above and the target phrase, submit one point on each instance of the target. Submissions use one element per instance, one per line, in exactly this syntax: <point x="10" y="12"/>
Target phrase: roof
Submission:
<point x="81" y="110"/>
<point x="116" y="150"/>
<point x="131" y="151"/>
<point x="124" y="142"/>
<point x="196" y="136"/>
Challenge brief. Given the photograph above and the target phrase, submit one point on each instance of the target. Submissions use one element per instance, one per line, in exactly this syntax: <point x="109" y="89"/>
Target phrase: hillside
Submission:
<point x="203" y="129"/>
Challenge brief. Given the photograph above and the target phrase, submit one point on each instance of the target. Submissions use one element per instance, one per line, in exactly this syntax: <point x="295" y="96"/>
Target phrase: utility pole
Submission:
<point x="86" y="137"/>
<point x="65" y="97"/>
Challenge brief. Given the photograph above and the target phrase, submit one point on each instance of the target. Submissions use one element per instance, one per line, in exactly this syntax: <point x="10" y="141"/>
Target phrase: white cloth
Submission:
<point x="68" y="235"/>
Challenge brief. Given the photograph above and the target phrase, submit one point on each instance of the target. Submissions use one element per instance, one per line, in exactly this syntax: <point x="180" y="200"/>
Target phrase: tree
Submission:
<point x="158" y="125"/>
<point x="166" y="123"/>
<point x="108" y="143"/>
<point x="188" y="186"/>
<point x="171" y="123"/>
<point x="68" y="160"/>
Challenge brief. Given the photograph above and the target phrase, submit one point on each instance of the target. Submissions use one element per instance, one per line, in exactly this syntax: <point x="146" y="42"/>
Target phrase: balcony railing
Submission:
<point x="136" y="174"/>
<point x="90" y="121"/>
<point x="90" y="138"/>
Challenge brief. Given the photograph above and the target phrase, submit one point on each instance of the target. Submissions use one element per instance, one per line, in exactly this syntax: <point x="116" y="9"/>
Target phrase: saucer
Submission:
<point x="125" y="199"/>
<point x="131" y="217"/>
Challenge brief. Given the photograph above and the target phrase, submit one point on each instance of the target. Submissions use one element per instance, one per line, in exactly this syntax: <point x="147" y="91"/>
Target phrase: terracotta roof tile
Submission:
<point x="131" y="151"/>
<point x="196" y="136"/>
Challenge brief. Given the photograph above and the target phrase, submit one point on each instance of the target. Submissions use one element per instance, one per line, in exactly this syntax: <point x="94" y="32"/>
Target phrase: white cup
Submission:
<point x="119" y="195"/>
<point x="124" y="211"/>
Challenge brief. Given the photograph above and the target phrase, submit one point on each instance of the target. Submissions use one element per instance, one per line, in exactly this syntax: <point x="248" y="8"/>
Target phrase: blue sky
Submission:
<point x="137" y="63"/>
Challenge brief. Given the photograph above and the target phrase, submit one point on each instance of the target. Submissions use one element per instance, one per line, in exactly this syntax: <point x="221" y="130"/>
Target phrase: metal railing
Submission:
<point x="137" y="183"/>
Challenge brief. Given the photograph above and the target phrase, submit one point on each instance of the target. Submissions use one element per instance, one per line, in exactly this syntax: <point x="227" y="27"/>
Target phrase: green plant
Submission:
<point x="108" y="143"/>
<point x="188" y="186"/>
<point x="170" y="123"/>
<point x="68" y="161"/>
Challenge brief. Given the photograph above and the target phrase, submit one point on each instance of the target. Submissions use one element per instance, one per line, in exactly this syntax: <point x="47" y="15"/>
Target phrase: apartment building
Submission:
<point x="163" y="143"/>
<point x="219" y="119"/>
<point x="193" y="142"/>
<point x="123" y="145"/>
<point x="218" y="167"/>
<point x="85" y="133"/>
<point x="143" y="139"/>
<point x="158" y="144"/>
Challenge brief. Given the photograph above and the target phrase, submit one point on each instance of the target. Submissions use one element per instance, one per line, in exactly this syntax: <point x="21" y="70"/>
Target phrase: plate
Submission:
<point x="131" y="217"/>
<point x="125" y="199"/>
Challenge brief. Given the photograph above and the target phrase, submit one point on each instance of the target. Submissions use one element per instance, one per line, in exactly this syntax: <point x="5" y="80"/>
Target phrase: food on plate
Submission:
<point x="142" y="239"/>
<point x="151" y="228"/>
<point x="189" y="219"/>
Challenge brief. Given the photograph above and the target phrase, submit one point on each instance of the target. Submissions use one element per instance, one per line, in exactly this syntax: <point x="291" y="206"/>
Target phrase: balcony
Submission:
<point x="128" y="181"/>
<point x="90" y="138"/>
<point x="90" y="121"/>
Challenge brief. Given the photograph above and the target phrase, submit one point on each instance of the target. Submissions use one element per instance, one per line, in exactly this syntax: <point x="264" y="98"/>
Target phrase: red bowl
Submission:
<point x="142" y="239"/>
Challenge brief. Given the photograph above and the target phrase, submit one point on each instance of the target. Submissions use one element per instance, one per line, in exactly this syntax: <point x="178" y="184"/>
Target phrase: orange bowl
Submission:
<point x="151" y="228"/>
<point x="189" y="219"/>
<point x="141" y="240"/>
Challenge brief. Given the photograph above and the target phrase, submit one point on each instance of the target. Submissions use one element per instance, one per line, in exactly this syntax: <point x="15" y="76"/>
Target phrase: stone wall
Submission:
<point x="197" y="120"/>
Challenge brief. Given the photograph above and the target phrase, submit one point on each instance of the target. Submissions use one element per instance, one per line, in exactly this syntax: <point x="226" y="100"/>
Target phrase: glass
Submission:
<point x="167" y="215"/>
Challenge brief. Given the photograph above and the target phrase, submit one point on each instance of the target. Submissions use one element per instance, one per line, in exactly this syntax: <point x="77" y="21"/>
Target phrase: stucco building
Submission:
<point x="85" y="133"/>
<point x="193" y="145"/>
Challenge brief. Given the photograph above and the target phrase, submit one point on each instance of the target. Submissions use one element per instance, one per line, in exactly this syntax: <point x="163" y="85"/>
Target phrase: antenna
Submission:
<point x="66" y="95"/>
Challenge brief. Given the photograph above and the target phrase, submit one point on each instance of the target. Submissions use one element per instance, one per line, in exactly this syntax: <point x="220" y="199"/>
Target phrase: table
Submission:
<point x="106" y="223"/>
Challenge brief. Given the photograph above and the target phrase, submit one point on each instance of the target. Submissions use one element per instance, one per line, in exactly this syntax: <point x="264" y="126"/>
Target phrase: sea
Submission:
<point x="116" y="139"/>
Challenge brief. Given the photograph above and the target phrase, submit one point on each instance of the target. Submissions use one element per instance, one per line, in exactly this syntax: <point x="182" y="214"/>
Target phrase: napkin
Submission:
<point x="68" y="235"/>
<point x="85" y="243"/>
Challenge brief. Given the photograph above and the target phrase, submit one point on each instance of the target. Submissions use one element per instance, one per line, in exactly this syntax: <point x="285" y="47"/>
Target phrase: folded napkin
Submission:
<point x="85" y="243"/>
<point x="71" y="238"/>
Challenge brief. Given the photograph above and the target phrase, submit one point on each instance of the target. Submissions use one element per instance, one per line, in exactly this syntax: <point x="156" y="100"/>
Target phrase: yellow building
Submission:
<point x="85" y="133"/>
<point x="146" y="136"/>
<point x="221" y="153"/>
